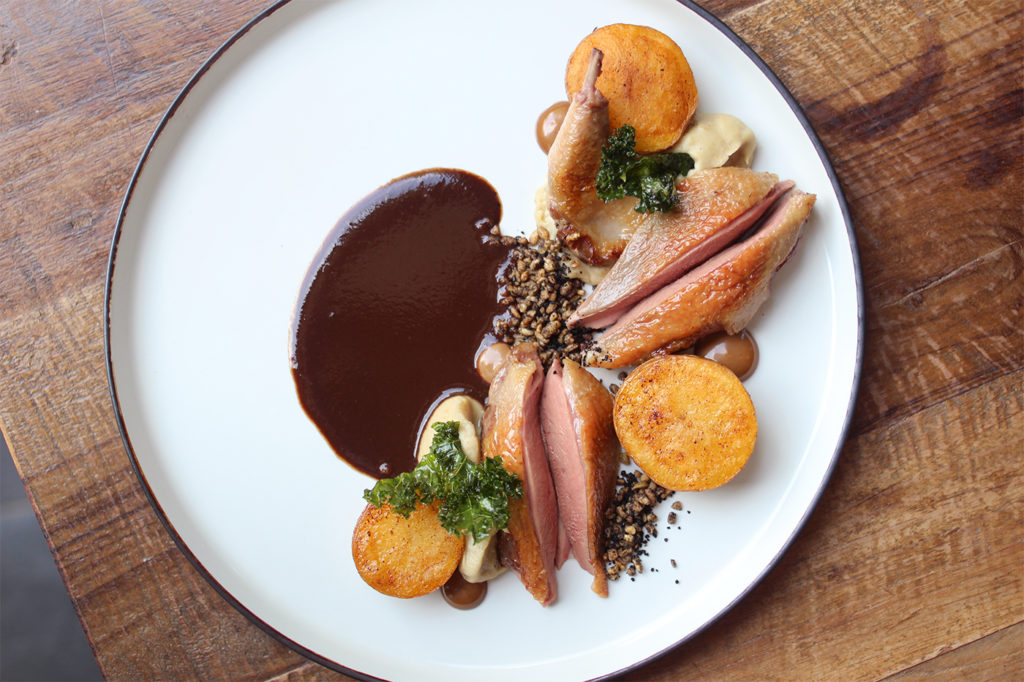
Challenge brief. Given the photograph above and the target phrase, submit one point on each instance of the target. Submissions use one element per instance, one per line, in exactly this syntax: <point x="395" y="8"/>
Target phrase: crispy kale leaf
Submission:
<point x="474" y="497"/>
<point x="651" y="178"/>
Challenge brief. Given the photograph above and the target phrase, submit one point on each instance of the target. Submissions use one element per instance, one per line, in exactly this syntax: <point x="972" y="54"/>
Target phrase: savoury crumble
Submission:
<point x="540" y="294"/>
<point x="631" y="523"/>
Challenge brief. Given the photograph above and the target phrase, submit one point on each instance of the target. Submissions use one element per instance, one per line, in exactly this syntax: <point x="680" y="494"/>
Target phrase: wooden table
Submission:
<point x="912" y="562"/>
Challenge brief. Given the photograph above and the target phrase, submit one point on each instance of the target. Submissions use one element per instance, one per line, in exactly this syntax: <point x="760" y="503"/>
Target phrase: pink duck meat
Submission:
<point x="576" y="414"/>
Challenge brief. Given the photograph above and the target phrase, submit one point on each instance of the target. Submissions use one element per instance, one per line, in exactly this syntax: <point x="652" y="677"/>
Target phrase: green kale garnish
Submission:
<point x="651" y="178"/>
<point x="474" y="497"/>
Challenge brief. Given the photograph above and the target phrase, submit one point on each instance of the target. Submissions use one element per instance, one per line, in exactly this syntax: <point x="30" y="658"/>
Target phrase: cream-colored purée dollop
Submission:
<point x="715" y="140"/>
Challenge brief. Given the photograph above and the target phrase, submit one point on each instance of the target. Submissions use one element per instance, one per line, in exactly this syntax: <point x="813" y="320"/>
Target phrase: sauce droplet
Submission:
<point x="549" y="123"/>
<point x="738" y="352"/>
<point x="462" y="594"/>
<point x="489" y="361"/>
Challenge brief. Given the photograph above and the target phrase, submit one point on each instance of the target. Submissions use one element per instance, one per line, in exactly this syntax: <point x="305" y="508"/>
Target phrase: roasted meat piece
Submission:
<point x="715" y="207"/>
<point x="723" y="293"/>
<point x="576" y="414"/>
<point x="595" y="231"/>
<point x="512" y="431"/>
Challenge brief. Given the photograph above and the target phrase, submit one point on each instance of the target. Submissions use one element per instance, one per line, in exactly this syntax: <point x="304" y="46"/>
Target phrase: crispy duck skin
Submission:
<point x="722" y="294"/>
<point x="511" y="431"/>
<point x="576" y="414"/>
<point x="595" y="231"/>
<point x="715" y="207"/>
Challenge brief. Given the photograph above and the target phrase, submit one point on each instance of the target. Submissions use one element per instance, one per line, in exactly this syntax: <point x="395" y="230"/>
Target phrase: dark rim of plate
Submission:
<point x="312" y="655"/>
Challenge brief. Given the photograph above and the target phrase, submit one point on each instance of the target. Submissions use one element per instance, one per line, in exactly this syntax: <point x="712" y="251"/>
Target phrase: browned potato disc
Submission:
<point x="645" y="77"/>
<point x="404" y="557"/>
<point x="687" y="422"/>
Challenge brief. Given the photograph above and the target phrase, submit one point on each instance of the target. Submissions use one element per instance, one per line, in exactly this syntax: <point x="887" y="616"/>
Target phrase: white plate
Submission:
<point x="305" y="111"/>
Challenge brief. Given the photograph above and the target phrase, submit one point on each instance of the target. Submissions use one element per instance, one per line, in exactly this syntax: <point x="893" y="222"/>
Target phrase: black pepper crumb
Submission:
<point x="539" y="295"/>
<point x="631" y="523"/>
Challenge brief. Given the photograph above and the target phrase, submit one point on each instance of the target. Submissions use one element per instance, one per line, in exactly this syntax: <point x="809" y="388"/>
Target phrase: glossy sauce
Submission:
<point x="393" y="312"/>
<point x="462" y="594"/>
<point x="737" y="352"/>
<point x="548" y="124"/>
<point x="490" y="360"/>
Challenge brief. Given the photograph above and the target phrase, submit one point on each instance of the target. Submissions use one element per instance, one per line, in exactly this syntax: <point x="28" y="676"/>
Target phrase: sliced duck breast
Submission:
<point x="724" y="293"/>
<point x="576" y="415"/>
<point x="716" y="206"/>
<point x="512" y="431"/>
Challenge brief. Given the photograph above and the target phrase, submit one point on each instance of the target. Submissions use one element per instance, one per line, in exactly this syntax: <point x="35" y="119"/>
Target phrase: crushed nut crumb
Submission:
<point x="631" y="522"/>
<point x="541" y="295"/>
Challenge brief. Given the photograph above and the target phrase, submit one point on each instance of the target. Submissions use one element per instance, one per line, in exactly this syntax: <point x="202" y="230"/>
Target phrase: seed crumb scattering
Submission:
<point x="631" y="522"/>
<point x="539" y="294"/>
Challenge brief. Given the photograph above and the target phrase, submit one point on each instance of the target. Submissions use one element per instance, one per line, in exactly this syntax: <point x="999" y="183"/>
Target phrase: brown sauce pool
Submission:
<point x="461" y="594"/>
<point x="393" y="312"/>
<point x="548" y="124"/>
<point x="738" y="352"/>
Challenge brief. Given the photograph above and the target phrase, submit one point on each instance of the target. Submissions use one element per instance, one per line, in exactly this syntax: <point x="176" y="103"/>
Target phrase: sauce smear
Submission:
<point x="393" y="312"/>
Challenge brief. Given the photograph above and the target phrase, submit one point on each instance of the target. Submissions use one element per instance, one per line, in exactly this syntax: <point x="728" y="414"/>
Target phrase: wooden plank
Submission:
<point x="1000" y="656"/>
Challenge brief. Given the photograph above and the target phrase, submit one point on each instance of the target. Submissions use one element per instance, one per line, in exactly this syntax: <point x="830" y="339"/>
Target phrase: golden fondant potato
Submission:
<point x="687" y="422"/>
<point x="645" y="77"/>
<point x="404" y="557"/>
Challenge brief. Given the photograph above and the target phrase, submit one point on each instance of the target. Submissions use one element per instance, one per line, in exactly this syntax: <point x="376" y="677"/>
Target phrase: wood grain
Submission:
<point x="909" y="566"/>
<point x="996" y="657"/>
